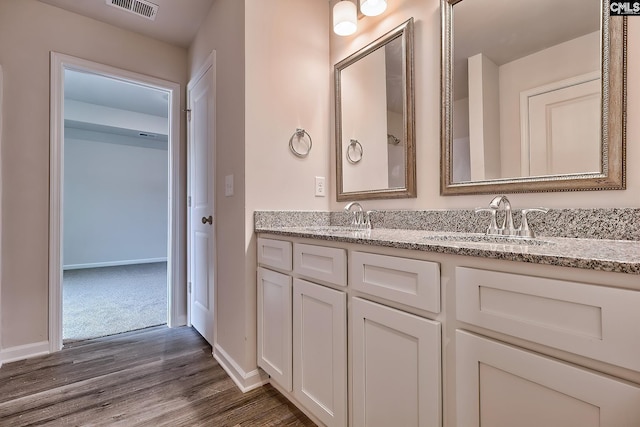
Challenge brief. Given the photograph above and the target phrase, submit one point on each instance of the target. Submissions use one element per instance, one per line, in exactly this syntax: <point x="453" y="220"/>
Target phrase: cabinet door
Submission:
<point x="274" y="325"/>
<point x="320" y="351"/>
<point x="396" y="367"/>
<point x="499" y="385"/>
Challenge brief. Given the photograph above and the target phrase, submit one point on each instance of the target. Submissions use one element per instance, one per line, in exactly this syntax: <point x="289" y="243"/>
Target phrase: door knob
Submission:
<point x="207" y="220"/>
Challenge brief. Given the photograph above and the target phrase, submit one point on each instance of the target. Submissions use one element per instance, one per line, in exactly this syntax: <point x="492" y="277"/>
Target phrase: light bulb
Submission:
<point x="345" y="18"/>
<point x="373" y="7"/>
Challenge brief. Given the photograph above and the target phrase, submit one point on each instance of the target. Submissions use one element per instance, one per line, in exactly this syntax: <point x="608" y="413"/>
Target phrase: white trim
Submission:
<point x="176" y="286"/>
<point x="113" y="263"/>
<point x="246" y="381"/>
<point x="21" y="352"/>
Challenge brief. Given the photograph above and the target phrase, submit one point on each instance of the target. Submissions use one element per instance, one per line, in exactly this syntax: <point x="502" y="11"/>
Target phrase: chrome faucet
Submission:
<point x="507" y="228"/>
<point x="358" y="220"/>
<point x="507" y="224"/>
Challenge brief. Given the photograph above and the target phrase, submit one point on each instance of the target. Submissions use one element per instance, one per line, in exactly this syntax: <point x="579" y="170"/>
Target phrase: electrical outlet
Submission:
<point x="228" y="185"/>
<point x="320" y="186"/>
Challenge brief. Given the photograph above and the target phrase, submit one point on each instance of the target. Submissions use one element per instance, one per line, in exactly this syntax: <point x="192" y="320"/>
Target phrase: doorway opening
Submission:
<point x="113" y="214"/>
<point x="115" y="206"/>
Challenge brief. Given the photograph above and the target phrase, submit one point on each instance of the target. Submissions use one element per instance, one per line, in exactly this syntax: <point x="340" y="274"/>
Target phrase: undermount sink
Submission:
<point x="486" y="238"/>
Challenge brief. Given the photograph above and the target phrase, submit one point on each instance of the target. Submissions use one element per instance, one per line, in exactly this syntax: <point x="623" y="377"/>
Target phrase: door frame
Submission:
<point x="175" y="251"/>
<point x="209" y="63"/>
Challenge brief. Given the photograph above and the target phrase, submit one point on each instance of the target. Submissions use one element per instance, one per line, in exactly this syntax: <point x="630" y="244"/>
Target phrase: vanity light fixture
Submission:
<point x="345" y="18"/>
<point x="373" y="7"/>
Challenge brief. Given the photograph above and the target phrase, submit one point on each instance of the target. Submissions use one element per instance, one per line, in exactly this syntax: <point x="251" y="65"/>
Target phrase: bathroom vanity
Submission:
<point x="392" y="327"/>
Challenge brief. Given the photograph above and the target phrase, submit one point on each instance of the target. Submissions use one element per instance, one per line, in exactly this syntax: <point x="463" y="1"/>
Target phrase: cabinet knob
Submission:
<point x="207" y="220"/>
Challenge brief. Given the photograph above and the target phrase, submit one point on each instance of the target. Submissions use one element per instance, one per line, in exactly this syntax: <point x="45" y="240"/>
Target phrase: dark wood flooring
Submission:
<point x="152" y="377"/>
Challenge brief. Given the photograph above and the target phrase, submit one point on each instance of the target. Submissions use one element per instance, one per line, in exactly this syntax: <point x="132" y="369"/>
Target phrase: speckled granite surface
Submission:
<point x="609" y="223"/>
<point x="599" y="239"/>
<point x="622" y="256"/>
<point x="290" y="218"/>
<point x="612" y="224"/>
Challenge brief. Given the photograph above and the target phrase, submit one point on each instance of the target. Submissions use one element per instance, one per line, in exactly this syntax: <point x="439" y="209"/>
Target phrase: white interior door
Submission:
<point x="202" y="255"/>
<point x="561" y="125"/>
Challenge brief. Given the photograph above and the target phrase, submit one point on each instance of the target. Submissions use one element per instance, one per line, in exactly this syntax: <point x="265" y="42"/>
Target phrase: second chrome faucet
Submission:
<point x="508" y="228"/>
<point x="360" y="219"/>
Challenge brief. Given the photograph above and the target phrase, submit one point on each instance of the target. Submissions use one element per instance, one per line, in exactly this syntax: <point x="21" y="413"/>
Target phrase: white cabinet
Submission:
<point x="274" y="326"/>
<point x="395" y="366"/>
<point x="411" y="282"/>
<point x="599" y="322"/>
<point x="499" y="385"/>
<point x="320" y="351"/>
<point x="444" y="340"/>
<point x="275" y="253"/>
<point x="321" y="263"/>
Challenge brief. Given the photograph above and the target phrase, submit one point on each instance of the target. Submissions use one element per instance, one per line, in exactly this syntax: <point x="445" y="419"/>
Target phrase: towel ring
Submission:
<point x="299" y="134"/>
<point x="392" y="139"/>
<point x="356" y="147"/>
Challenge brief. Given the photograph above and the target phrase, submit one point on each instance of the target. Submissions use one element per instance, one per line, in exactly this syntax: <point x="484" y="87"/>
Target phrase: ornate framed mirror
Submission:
<point x="533" y="96"/>
<point x="374" y="106"/>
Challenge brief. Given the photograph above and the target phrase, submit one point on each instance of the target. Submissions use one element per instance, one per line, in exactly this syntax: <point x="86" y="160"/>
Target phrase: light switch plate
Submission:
<point x="320" y="186"/>
<point x="228" y="185"/>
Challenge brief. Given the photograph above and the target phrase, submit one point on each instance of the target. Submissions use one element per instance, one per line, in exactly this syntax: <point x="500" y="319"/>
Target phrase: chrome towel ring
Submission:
<point x="392" y="139"/>
<point x="299" y="134"/>
<point x="354" y="151"/>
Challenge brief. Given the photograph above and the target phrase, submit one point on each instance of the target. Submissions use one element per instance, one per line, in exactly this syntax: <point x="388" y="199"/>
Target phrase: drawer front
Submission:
<point x="499" y="385"/>
<point x="412" y="282"/>
<point x="321" y="263"/>
<point x="593" y="321"/>
<point x="274" y="253"/>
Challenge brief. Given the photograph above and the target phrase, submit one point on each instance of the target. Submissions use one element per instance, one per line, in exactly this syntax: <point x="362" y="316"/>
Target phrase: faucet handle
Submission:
<point x="367" y="220"/>
<point x="524" y="230"/>
<point x="493" y="225"/>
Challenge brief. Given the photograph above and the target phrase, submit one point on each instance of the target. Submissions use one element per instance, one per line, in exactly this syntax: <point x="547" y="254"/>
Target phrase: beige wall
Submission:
<point x="427" y="91"/>
<point x="223" y="31"/>
<point x="29" y="30"/>
<point x="272" y="77"/>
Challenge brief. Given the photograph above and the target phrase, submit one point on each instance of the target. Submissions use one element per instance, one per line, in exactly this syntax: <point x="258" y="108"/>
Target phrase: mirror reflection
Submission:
<point x="524" y="78"/>
<point x="374" y="126"/>
<point x="523" y="96"/>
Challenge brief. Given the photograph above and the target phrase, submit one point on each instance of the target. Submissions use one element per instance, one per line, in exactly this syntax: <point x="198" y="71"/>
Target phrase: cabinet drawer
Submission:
<point x="321" y="263"/>
<point x="274" y="253"/>
<point x="499" y="385"/>
<point x="593" y="321"/>
<point x="412" y="282"/>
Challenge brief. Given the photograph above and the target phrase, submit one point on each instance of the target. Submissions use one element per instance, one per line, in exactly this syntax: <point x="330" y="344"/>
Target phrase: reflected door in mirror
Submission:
<point x="525" y="93"/>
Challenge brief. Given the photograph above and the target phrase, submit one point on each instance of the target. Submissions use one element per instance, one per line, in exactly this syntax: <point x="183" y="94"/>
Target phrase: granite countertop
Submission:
<point x="621" y="256"/>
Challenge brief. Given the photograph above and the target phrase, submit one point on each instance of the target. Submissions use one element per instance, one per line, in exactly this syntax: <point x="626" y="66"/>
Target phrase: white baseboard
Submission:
<point x="113" y="263"/>
<point x="21" y="352"/>
<point x="181" y="320"/>
<point x="246" y="381"/>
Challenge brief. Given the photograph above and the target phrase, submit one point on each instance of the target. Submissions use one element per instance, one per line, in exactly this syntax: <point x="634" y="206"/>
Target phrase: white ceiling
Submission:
<point x="177" y="21"/>
<point x="505" y="30"/>
<point x="113" y="93"/>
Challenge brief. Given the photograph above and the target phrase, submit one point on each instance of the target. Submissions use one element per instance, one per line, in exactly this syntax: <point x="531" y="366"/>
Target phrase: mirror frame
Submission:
<point x="405" y="32"/>
<point x="613" y="128"/>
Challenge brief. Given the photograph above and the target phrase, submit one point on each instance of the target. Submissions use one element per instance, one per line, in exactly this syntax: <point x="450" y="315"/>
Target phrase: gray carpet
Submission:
<point x="110" y="300"/>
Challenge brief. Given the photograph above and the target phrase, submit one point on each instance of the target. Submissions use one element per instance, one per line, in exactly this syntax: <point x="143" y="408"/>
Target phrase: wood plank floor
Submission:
<point x="153" y="377"/>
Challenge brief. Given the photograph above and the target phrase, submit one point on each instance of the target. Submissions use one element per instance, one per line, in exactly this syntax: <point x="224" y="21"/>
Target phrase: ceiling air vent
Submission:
<point x="141" y="8"/>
